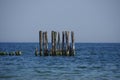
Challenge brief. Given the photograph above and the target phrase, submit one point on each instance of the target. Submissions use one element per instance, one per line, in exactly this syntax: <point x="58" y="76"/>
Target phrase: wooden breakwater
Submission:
<point x="58" y="47"/>
<point x="13" y="53"/>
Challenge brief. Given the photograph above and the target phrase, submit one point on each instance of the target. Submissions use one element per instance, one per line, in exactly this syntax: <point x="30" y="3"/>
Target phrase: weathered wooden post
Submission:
<point x="46" y="44"/>
<point x="51" y="50"/>
<point x="73" y="44"/>
<point x="17" y="53"/>
<point x="58" y="45"/>
<point x="40" y="42"/>
<point x="67" y="42"/>
<point x="43" y="43"/>
<point x="52" y="40"/>
<point x="63" y="52"/>
<point x="55" y="36"/>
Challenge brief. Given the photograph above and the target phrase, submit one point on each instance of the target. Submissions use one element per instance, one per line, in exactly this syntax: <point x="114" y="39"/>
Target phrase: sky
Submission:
<point x="92" y="21"/>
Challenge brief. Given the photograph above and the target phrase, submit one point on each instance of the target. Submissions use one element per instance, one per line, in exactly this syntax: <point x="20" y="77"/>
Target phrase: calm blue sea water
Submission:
<point x="93" y="61"/>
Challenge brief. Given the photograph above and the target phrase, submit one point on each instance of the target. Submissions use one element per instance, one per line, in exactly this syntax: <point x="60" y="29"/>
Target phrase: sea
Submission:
<point x="92" y="61"/>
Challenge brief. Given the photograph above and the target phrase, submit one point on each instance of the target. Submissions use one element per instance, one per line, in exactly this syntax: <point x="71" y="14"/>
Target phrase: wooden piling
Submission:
<point x="40" y="42"/>
<point x="52" y="40"/>
<point x="46" y="44"/>
<point x="68" y="44"/>
<point x="63" y="35"/>
<point x="73" y="44"/>
<point x="58" y="45"/>
<point x="43" y="43"/>
<point x="55" y="39"/>
<point x="3" y="53"/>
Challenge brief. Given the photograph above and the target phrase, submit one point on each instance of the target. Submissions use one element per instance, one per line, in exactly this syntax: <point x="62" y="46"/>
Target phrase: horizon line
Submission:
<point x="50" y="42"/>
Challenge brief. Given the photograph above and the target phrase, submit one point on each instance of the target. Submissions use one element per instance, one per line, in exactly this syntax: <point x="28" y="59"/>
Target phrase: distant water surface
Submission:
<point x="93" y="61"/>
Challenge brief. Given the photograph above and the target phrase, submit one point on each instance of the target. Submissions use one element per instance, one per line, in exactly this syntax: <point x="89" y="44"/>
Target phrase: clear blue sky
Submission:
<point x="91" y="20"/>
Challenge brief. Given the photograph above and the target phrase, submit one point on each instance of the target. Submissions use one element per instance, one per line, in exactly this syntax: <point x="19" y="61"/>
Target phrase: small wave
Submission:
<point x="8" y="76"/>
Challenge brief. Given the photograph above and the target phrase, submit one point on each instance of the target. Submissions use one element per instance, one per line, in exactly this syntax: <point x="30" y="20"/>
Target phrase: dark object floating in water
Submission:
<point x="65" y="48"/>
<point x="16" y="53"/>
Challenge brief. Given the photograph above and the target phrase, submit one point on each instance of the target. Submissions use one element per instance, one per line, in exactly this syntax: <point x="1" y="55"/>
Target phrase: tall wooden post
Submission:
<point x="63" y="52"/>
<point x="73" y="44"/>
<point x="67" y="42"/>
<point x="46" y="44"/>
<point x="40" y="42"/>
<point x="55" y="36"/>
<point x="52" y="40"/>
<point x="58" y="44"/>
